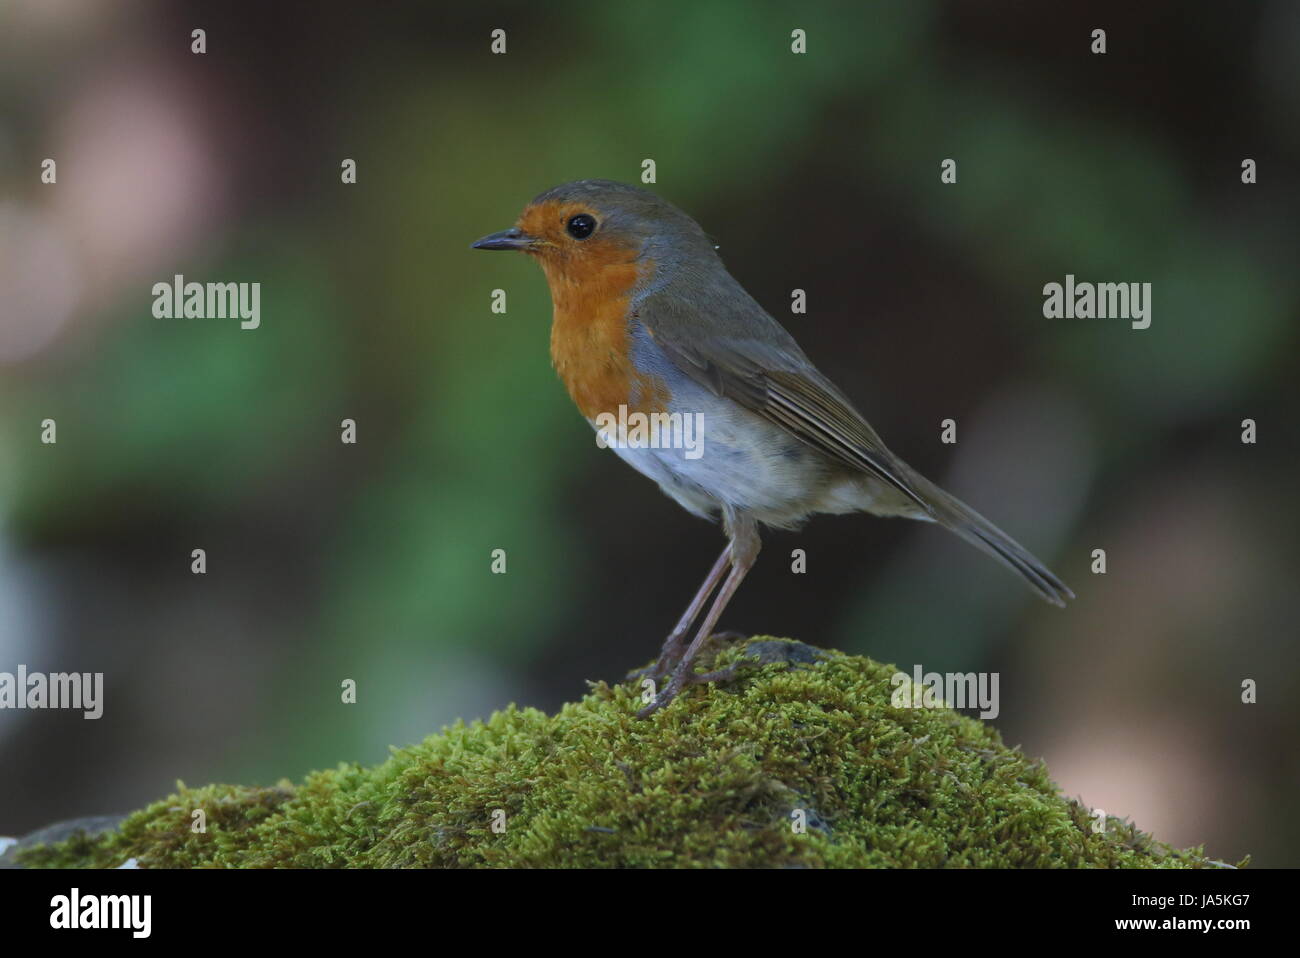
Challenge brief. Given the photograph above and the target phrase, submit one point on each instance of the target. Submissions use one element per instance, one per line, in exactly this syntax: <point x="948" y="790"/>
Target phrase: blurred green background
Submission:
<point x="816" y="171"/>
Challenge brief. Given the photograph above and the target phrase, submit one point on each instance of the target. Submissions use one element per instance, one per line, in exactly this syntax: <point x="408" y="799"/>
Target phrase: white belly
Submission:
<point x="728" y="455"/>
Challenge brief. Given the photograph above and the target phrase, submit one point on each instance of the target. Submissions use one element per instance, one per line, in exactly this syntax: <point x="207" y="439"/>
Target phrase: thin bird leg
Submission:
<point x="672" y="649"/>
<point x="744" y="552"/>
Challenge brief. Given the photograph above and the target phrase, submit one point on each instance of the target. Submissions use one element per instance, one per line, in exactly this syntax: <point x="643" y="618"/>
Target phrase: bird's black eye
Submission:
<point x="581" y="226"/>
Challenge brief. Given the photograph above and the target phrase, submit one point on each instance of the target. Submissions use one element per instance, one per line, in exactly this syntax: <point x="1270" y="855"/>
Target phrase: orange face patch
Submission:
<point x="591" y="283"/>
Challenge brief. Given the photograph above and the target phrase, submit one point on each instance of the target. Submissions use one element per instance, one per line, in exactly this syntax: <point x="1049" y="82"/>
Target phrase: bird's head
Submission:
<point x="578" y="229"/>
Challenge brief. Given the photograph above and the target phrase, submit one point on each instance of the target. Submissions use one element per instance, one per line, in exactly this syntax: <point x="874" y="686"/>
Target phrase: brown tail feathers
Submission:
<point x="954" y="514"/>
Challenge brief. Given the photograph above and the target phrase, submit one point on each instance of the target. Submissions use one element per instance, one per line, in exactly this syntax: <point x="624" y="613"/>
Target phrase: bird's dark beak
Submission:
<point x="513" y="238"/>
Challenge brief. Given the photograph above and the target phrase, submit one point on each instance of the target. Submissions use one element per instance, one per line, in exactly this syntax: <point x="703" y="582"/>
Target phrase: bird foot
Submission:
<point x="654" y="671"/>
<point x="670" y="656"/>
<point x="683" y="679"/>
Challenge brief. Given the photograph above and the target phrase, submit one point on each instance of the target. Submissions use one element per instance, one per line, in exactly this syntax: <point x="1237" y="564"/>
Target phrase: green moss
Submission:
<point x="712" y="780"/>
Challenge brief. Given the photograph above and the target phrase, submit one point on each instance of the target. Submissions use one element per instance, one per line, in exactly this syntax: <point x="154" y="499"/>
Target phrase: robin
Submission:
<point x="648" y="322"/>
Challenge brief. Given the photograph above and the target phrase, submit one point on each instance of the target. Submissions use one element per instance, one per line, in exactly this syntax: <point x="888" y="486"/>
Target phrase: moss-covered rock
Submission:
<point x="725" y="776"/>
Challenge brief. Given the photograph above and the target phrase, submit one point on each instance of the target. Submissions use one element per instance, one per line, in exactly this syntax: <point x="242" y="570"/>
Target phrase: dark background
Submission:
<point x="819" y="172"/>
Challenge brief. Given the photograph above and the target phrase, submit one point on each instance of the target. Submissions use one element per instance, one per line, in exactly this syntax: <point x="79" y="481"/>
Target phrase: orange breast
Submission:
<point x="590" y="341"/>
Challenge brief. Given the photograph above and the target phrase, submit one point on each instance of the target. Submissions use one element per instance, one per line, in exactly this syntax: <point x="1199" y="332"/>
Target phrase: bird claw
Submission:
<point x="679" y="682"/>
<point x="671" y="655"/>
<point x="658" y="703"/>
<point x="717" y="675"/>
<point x="651" y="671"/>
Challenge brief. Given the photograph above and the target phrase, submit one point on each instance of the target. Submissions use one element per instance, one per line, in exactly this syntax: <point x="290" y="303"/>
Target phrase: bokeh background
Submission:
<point x="819" y="172"/>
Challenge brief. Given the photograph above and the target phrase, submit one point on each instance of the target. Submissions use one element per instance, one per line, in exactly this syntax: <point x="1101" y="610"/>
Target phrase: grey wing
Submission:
<point x="771" y="376"/>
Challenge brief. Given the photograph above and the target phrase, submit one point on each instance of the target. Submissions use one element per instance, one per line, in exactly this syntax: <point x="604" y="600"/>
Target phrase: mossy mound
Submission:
<point x="722" y="777"/>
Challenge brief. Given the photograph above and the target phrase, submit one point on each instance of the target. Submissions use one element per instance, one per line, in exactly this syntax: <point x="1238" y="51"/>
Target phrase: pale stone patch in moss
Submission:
<point x="712" y="780"/>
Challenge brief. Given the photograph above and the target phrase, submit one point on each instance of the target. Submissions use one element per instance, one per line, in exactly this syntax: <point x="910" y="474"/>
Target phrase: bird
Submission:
<point x="647" y="321"/>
